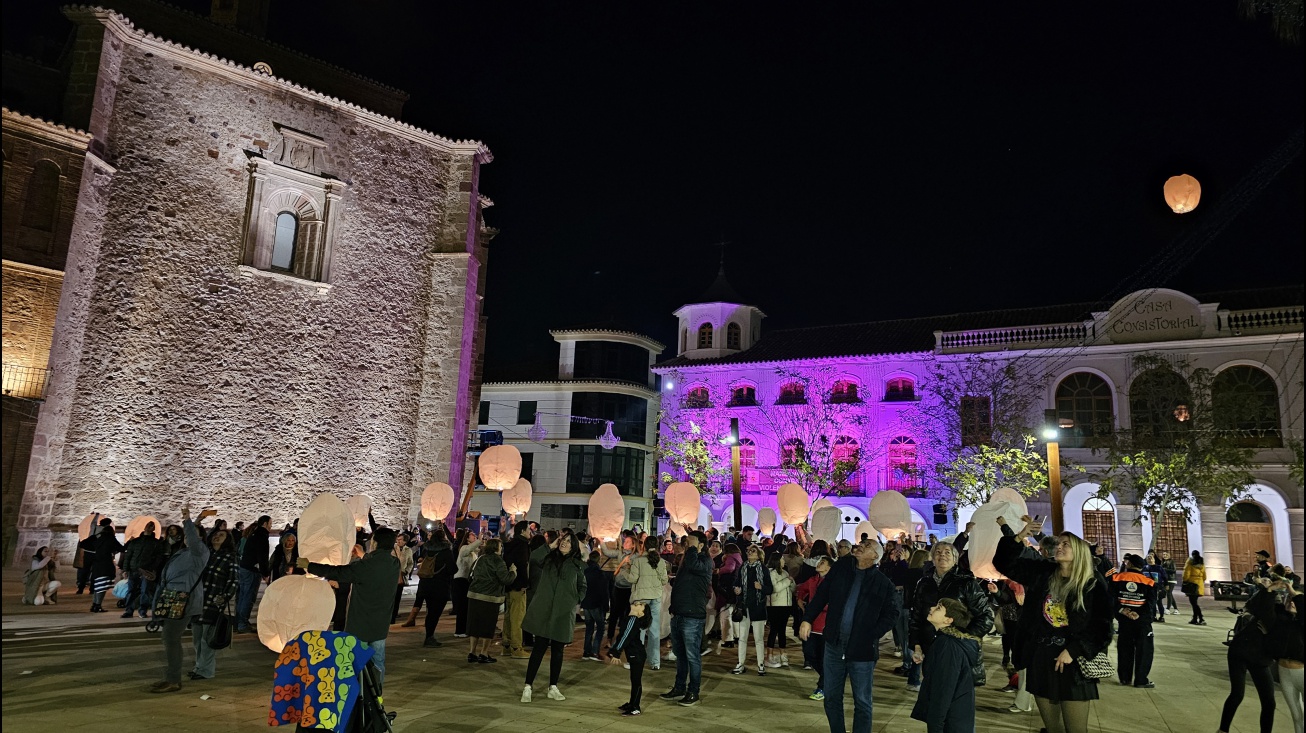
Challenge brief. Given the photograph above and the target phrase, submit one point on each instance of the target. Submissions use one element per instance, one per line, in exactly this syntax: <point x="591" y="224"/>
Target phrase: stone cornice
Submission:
<point x="67" y="136"/>
<point x="607" y="334"/>
<point x="122" y="28"/>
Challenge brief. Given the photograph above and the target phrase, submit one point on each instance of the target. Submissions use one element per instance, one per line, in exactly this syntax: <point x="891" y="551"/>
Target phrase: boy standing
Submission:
<point x="947" y="698"/>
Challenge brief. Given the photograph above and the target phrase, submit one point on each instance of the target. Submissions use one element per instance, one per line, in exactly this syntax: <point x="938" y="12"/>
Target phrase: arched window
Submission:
<point x="684" y="339"/>
<point x="283" y="242"/>
<point x="792" y="452"/>
<point x="792" y="393"/>
<point x="744" y="395"/>
<point x="902" y="464"/>
<point x="1100" y="527"/>
<point x="1085" y="398"/>
<point x="1245" y="401"/>
<point x="1170" y="536"/>
<point x="698" y="397"/>
<point x="846" y="450"/>
<point x="899" y="389"/>
<point x="844" y="391"/>
<point x="734" y="336"/>
<point x="705" y="336"/>
<point x="42" y="201"/>
<point x="747" y="453"/>
<point x="1159" y="402"/>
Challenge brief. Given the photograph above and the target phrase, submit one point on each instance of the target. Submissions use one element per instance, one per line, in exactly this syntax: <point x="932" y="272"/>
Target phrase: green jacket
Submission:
<point x="371" y="594"/>
<point x="556" y="588"/>
<point x="489" y="576"/>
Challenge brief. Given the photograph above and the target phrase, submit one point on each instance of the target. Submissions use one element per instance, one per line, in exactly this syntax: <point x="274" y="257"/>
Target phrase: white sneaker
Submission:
<point x="626" y="665"/>
<point x="671" y="656"/>
<point x="1015" y="709"/>
<point x="772" y="662"/>
<point x="784" y="660"/>
<point x="526" y="694"/>
<point x="739" y="669"/>
<point x="555" y="693"/>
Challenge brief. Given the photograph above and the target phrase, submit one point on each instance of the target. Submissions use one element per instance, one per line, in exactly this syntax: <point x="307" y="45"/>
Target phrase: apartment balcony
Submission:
<point x="25" y="382"/>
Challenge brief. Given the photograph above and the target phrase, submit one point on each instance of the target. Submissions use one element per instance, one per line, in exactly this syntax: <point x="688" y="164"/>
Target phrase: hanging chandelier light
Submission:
<point x="608" y="440"/>
<point x="537" y="432"/>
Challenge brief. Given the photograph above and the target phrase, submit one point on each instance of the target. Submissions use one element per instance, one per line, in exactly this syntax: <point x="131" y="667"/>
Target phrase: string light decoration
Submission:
<point x="608" y="440"/>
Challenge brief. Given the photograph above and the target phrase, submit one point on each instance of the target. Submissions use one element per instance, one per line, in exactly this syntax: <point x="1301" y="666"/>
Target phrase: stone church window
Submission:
<point x="283" y="242"/>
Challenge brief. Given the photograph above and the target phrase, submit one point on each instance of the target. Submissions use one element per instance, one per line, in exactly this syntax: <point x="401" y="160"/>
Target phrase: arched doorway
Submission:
<point x="1250" y="529"/>
<point x="1099" y="518"/>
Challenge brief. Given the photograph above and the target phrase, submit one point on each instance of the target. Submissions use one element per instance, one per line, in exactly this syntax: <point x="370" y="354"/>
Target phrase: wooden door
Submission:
<point x="1100" y="529"/>
<point x="1245" y="538"/>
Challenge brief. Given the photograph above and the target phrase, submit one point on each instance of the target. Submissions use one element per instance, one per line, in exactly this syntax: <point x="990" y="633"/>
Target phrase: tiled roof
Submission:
<point x="914" y="335"/>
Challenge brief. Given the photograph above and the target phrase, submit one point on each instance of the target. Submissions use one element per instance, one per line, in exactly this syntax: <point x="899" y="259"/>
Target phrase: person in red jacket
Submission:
<point x="814" y="646"/>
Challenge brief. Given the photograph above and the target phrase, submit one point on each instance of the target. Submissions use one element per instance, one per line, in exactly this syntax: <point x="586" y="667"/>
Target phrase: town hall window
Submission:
<point x="844" y="391"/>
<point x="793" y="393"/>
<point x="698" y="397"/>
<point x="734" y="336"/>
<point x="900" y="389"/>
<point x="744" y="395"/>
<point x="705" y="336"/>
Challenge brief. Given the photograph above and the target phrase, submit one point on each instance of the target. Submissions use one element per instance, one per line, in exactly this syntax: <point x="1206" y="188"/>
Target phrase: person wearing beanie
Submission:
<point x="371" y="600"/>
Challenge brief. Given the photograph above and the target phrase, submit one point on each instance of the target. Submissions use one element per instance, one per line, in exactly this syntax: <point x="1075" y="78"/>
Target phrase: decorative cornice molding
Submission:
<point x="590" y="334"/>
<point x="124" y="29"/>
<point x="52" y="131"/>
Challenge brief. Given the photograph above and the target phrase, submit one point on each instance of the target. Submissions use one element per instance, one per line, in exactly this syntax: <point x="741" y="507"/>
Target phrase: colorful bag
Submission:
<point x="121" y="588"/>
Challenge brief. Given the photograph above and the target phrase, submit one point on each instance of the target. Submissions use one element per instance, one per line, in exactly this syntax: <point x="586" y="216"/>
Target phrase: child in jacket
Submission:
<point x="947" y="698"/>
<point x="628" y="641"/>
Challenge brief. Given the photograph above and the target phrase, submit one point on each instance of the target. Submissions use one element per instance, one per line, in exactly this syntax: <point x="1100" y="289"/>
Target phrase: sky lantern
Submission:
<point x="818" y="504"/>
<point x="607" y="512"/>
<point x="1182" y="193"/>
<point x="437" y="501"/>
<point x="890" y="513"/>
<point x="683" y="502"/>
<point x="826" y="523"/>
<point x="89" y="525"/>
<point x="1013" y="497"/>
<point x="517" y="500"/>
<point x="984" y="537"/>
<point x="326" y="531"/>
<point x="291" y="605"/>
<point x="137" y="525"/>
<point x="361" y="507"/>
<point x="864" y="528"/>
<point x="499" y="467"/>
<point x="793" y="502"/>
<point x="766" y="520"/>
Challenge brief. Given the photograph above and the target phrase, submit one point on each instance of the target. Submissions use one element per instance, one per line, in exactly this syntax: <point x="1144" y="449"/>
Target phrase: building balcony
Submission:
<point x="25" y="382"/>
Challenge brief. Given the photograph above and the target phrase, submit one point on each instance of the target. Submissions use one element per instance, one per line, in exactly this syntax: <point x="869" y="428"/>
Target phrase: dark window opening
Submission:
<point x="526" y="412"/>
<point x="976" y="421"/>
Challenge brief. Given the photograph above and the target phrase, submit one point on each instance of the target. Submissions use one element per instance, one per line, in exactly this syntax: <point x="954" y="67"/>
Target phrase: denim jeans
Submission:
<point x="900" y="629"/>
<point x="837" y="670"/>
<point x="140" y="593"/>
<point x="246" y="592"/>
<point x="206" y="657"/>
<point x="687" y="642"/>
<point x="595" y="625"/>
<point x="379" y="660"/>
<point x="653" y="637"/>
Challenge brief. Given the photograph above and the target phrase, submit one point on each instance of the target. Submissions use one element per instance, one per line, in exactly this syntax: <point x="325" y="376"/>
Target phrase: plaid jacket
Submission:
<point x="219" y="584"/>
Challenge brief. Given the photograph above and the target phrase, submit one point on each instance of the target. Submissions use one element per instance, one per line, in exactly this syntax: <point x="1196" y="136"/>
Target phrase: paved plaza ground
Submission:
<point x="68" y="670"/>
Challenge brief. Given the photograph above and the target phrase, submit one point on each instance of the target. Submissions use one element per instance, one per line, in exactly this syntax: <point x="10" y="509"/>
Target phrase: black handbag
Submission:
<point x="739" y="613"/>
<point x="222" y="629"/>
<point x="1188" y="588"/>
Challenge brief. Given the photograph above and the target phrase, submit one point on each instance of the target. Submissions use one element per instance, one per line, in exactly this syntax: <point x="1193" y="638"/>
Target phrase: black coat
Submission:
<point x="958" y="584"/>
<point x="257" y="553"/>
<point x="753" y="599"/>
<point x="876" y="611"/>
<point x="693" y="581"/>
<point x="1089" y="632"/>
<point x="99" y="551"/>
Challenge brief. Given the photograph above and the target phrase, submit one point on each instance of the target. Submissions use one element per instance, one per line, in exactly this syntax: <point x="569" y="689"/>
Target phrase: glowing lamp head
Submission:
<point x="1051" y="433"/>
<point x="668" y="385"/>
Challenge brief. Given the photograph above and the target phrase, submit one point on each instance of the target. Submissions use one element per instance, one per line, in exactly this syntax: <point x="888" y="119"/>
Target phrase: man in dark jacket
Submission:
<point x="254" y="566"/>
<point x="688" y="616"/>
<point x="142" y="557"/>
<point x="517" y="552"/>
<point x="371" y="599"/>
<point x="947" y="581"/>
<point x="861" y="604"/>
<point x="1134" y="596"/>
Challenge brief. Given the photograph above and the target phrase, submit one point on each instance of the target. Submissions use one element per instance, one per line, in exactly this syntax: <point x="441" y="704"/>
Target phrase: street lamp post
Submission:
<point x="733" y="440"/>
<point x="1051" y="433"/>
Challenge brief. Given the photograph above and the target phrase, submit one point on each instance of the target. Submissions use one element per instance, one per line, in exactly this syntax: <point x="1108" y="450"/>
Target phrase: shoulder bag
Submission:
<point x="222" y="628"/>
<point x="1097" y="668"/>
<point x="171" y="604"/>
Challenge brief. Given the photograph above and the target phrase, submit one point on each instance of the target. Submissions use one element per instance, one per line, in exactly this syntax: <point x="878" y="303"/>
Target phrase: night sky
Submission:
<point x="877" y="160"/>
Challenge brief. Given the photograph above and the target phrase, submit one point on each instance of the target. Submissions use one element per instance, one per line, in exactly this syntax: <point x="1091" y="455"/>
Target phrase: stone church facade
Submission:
<point x="268" y="292"/>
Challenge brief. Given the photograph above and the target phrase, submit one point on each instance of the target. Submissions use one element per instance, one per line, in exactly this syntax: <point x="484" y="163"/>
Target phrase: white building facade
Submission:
<point x="603" y="375"/>
<point x="727" y="367"/>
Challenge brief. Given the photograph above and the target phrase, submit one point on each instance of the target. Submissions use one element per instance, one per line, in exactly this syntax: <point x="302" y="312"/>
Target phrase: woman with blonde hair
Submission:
<point x="1066" y="618"/>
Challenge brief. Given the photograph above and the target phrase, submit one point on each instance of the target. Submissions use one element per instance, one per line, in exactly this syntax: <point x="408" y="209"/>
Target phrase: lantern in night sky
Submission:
<point x="607" y="512"/>
<point x="517" y="500"/>
<point x="683" y="502"/>
<point x="793" y="502"/>
<point x="766" y="520"/>
<point x="137" y="525"/>
<point x="984" y="538"/>
<point x="437" y="500"/>
<point x="326" y="531"/>
<point x="826" y="523"/>
<point x="89" y="525"/>
<point x="890" y="513"/>
<point x="864" y="528"/>
<point x="360" y="506"/>
<point x="500" y="467"/>
<point x="1182" y="193"/>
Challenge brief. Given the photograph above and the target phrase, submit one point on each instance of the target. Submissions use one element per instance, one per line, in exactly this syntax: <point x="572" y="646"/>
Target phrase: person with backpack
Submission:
<point x="433" y="578"/>
<point x="1250" y="653"/>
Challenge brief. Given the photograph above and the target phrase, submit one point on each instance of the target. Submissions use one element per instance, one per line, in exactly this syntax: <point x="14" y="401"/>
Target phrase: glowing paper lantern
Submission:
<point x="826" y="523"/>
<point x="517" y="500"/>
<point x="326" y="531"/>
<point x="766" y="521"/>
<point x="291" y="605"/>
<point x="1011" y="496"/>
<point x="793" y="503"/>
<point x="437" y="500"/>
<point x="607" y="513"/>
<point x="88" y="525"/>
<point x="683" y="502"/>
<point x="677" y="528"/>
<point x="890" y="513"/>
<point x="499" y="467"/>
<point x="984" y="538"/>
<point x="864" y="528"/>
<point x="360" y="506"/>
<point x="818" y="504"/>
<point x="1182" y="193"/>
<point x="137" y="525"/>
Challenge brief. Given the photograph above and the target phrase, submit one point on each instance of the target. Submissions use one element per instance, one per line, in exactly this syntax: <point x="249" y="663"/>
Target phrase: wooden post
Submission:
<point x="1054" y="487"/>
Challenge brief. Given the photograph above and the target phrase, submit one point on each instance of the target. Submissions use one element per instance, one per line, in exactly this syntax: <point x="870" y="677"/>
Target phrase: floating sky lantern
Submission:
<point x="818" y="504"/>
<point x="517" y="500"/>
<point x="138" y="525"/>
<point x="683" y="502"/>
<point x="437" y="500"/>
<point x="984" y="537"/>
<point x="890" y="513"/>
<point x="864" y="528"/>
<point x="607" y="512"/>
<point x="1011" y="496"/>
<point x="291" y="605"/>
<point x="361" y="507"/>
<point x="1182" y="193"/>
<point x="766" y="520"/>
<point x="326" y="531"/>
<point x="88" y="525"/>
<point x="793" y="503"/>
<point x="826" y="523"/>
<point x="500" y="467"/>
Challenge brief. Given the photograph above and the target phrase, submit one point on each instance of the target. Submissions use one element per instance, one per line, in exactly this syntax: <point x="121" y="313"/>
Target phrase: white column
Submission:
<point x="1295" y="533"/>
<point x="1215" y="543"/>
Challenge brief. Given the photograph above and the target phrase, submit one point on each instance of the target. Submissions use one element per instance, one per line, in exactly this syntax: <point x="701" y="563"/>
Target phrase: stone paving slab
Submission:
<point x="88" y="672"/>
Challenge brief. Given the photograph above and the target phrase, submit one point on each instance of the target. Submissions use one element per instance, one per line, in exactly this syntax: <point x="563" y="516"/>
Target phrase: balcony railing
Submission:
<point x="26" y="382"/>
<point x="984" y="339"/>
<point x="1263" y="320"/>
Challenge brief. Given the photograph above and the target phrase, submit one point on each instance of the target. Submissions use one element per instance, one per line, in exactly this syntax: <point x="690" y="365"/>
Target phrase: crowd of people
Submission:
<point x="1058" y="609"/>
